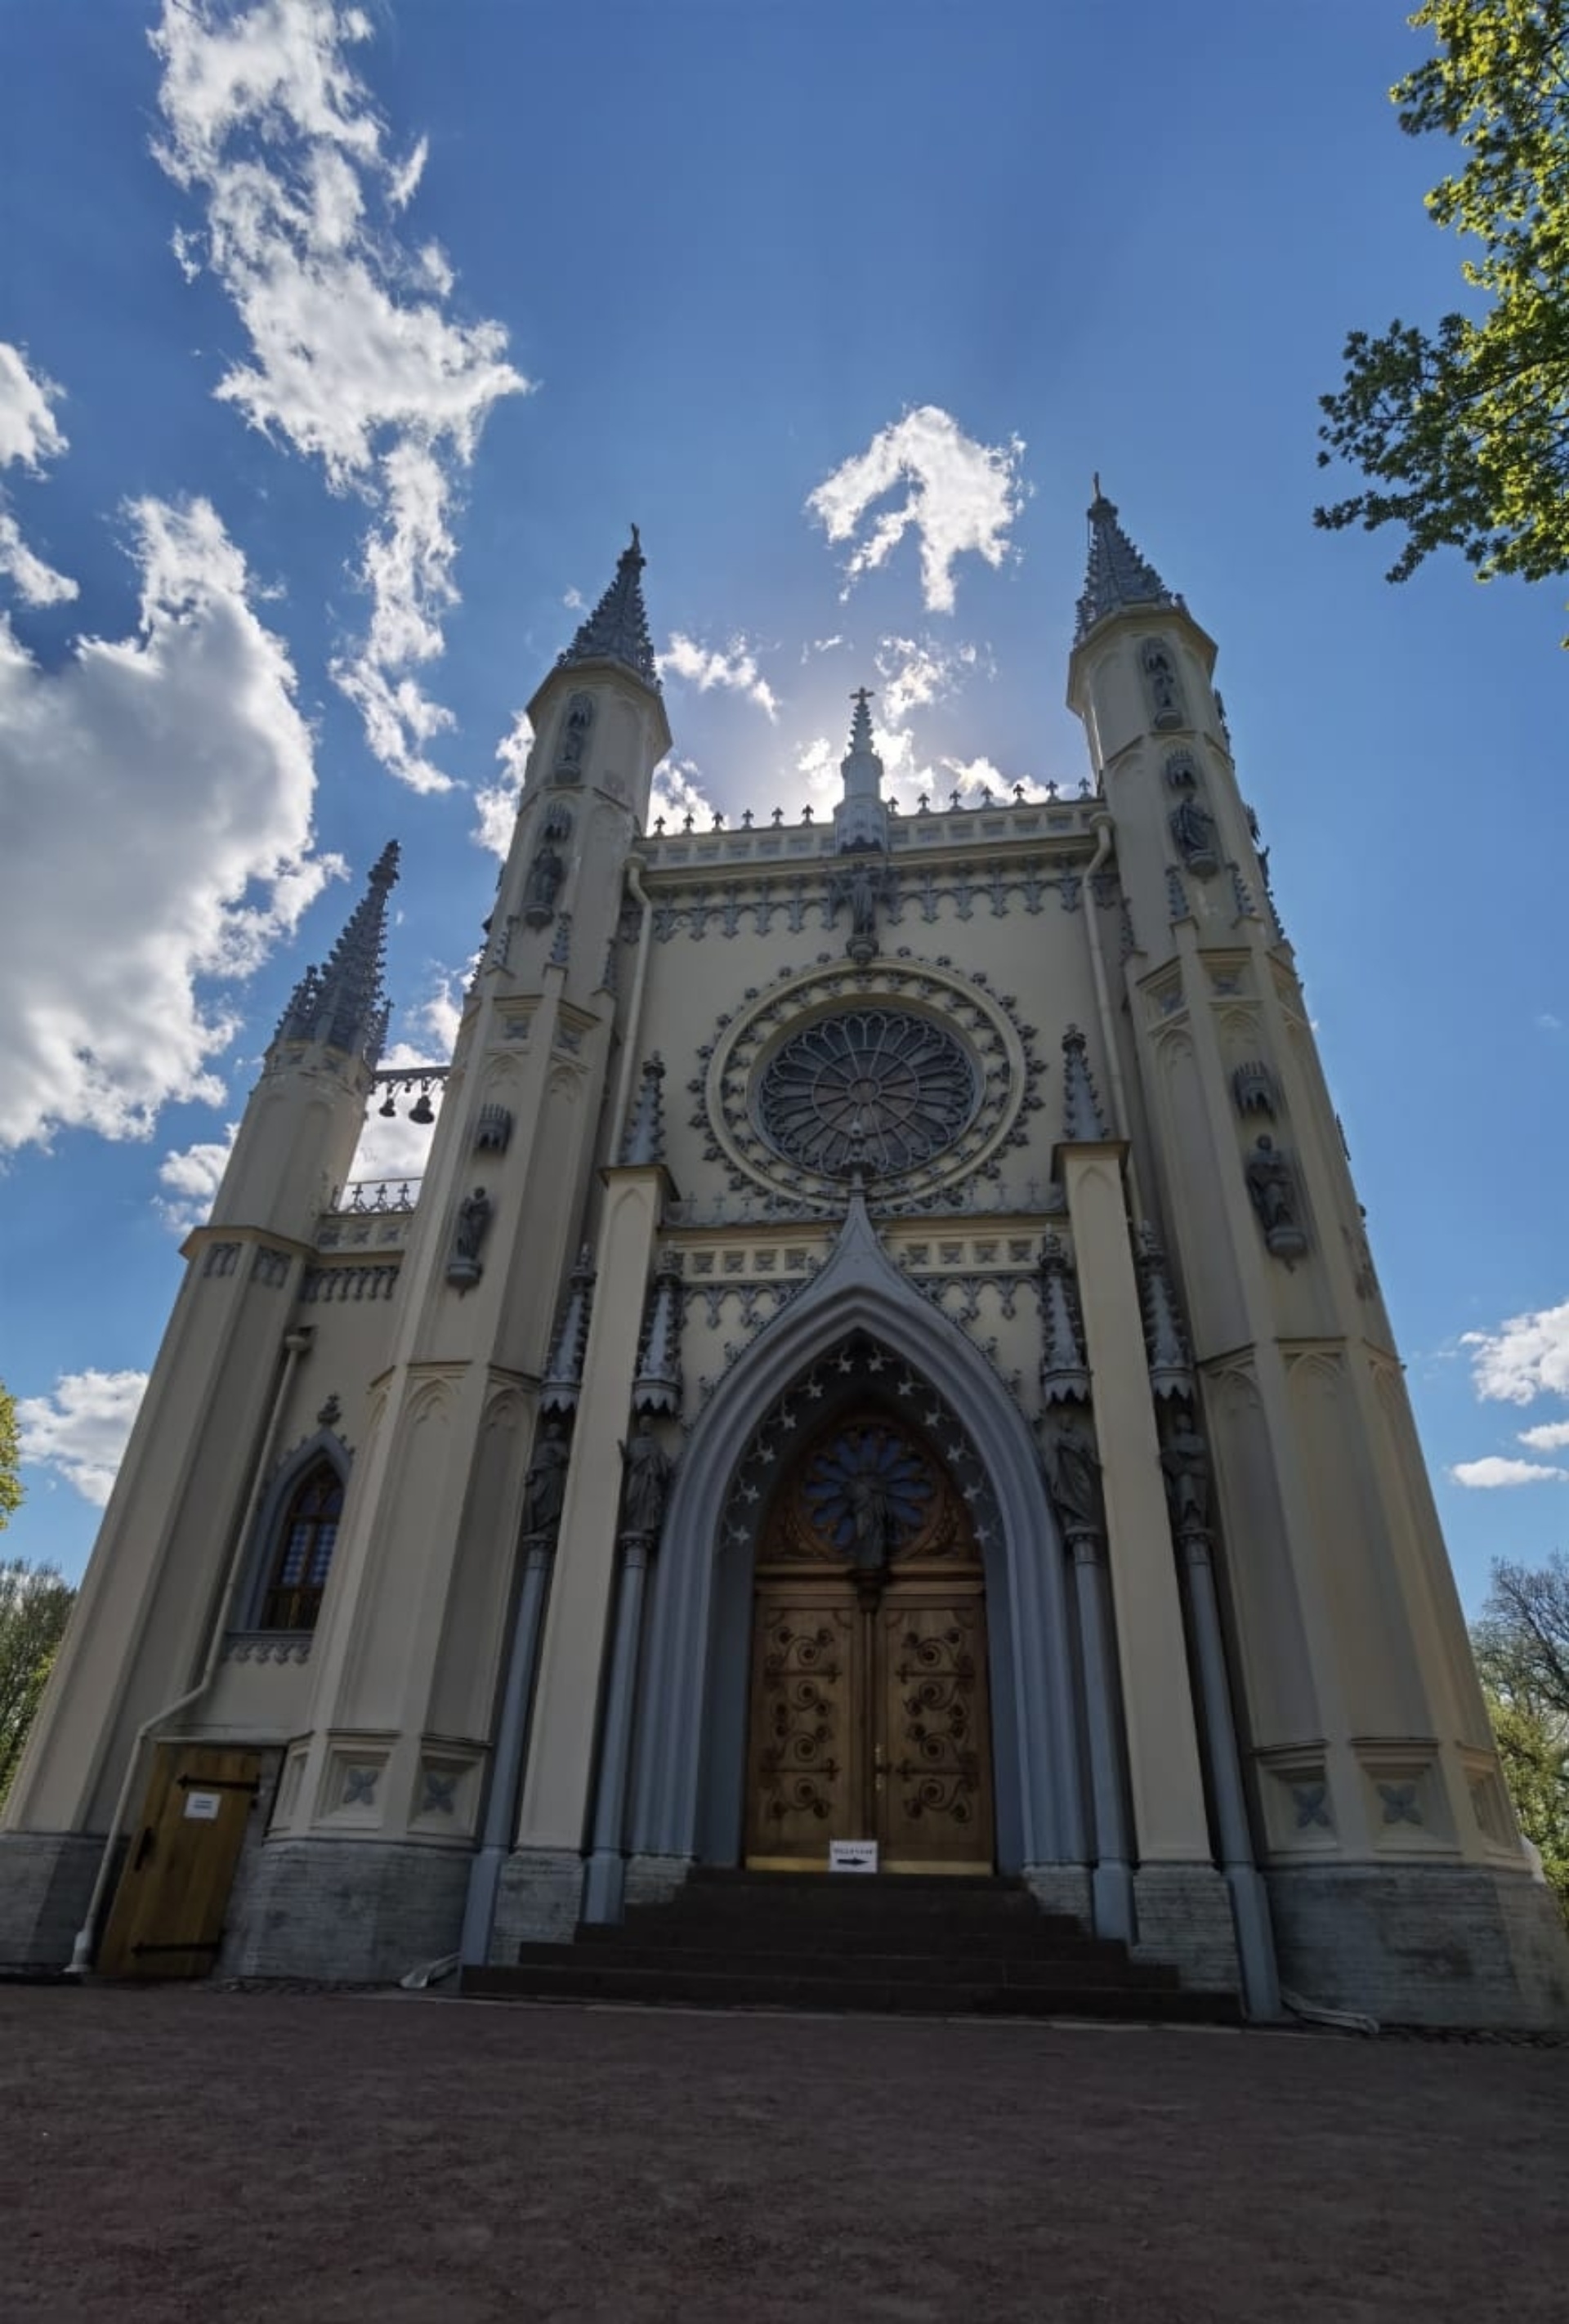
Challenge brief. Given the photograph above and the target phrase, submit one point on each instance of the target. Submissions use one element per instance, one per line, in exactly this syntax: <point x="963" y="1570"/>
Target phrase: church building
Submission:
<point x="885" y="1365"/>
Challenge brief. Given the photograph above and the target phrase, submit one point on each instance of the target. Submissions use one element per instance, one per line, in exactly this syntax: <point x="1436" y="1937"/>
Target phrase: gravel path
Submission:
<point x="174" y="2154"/>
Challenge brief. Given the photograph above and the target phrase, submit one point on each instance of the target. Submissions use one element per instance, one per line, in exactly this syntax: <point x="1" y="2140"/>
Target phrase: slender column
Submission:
<point x="1250" y="1907"/>
<point x="507" y="1771"/>
<point x="606" y="1874"/>
<point x="556" y="1782"/>
<point x="1111" y="1882"/>
<point x="1169" y="1822"/>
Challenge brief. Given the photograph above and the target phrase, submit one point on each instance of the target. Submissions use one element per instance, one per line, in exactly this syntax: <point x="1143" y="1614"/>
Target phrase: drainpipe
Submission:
<point x="295" y="1344"/>
<point x="635" y="1006"/>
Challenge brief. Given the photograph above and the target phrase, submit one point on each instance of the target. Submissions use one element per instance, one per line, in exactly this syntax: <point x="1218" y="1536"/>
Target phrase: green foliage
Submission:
<point x="1463" y="434"/>
<point x="10" y="1457"/>
<point x="35" y="1607"/>
<point x="1522" y="1652"/>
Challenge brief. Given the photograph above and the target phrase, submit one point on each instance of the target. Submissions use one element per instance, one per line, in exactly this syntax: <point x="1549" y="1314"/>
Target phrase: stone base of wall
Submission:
<point x="539" y="1901"/>
<point x="353" y="1911"/>
<point x="1424" y="1945"/>
<point x="656" y="1880"/>
<point x="1184" y="1914"/>
<point x="46" y="1879"/>
<point x="1060" y="1888"/>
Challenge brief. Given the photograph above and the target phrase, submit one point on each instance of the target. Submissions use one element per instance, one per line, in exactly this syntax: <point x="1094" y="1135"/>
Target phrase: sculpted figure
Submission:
<point x="1193" y="828"/>
<point x="1185" y="1457"/>
<point x="871" y="1516"/>
<point x="1073" y="1479"/>
<point x="574" y="734"/>
<point x="1269" y="1184"/>
<point x="545" y="1486"/>
<point x="474" y="1215"/>
<point x="543" y="883"/>
<point x="1162" y="681"/>
<point x="647" y="1481"/>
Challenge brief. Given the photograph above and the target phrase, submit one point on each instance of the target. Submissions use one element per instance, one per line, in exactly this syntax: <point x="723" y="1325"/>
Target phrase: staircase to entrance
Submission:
<point x="884" y="1942"/>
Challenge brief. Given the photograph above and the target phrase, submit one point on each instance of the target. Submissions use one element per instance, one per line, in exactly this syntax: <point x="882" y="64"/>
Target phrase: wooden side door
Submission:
<point x="806" y="1776"/>
<point x="933" y="1750"/>
<point x="167" y="1916"/>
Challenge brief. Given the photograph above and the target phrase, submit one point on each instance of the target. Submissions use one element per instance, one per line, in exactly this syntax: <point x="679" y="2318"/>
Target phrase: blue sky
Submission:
<point x="339" y="346"/>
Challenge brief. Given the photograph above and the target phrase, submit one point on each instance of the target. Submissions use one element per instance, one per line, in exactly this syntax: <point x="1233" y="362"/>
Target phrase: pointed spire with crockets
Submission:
<point x="343" y="1004"/>
<point x="563" y="1382"/>
<point x="1118" y="576"/>
<point x="1082" y="1122"/>
<point x="617" y="630"/>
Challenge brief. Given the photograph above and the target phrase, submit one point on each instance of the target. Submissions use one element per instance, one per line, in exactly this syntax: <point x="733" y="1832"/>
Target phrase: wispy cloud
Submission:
<point x="78" y="1430"/>
<point x="1524" y="1358"/>
<point x="677" y="792"/>
<point x="1552" y="1437"/>
<point x="30" y="435"/>
<point x="732" y="668"/>
<point x="1496" y="1472"/>
<point x="960" y="499"/>
<point x="497" y="803"/>
<point x="190" y="1178"/>
<point x="354" y="360"/>
<point x="164" y="783"/>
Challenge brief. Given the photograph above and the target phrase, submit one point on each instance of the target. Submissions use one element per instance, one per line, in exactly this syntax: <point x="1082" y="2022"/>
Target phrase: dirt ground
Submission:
<point x="174" y="2154"/>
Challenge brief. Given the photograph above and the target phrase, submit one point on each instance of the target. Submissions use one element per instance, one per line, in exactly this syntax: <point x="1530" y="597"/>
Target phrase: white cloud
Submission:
<point x="79" y="1429"/>
<point x="1546" y="1022"/>
<point x="1524" y="1358"/>
<point x="734" y="669"/>
<point x="29" y="434"/>
<point x="1495" y="1471"/>
<point x="159" y="794"/>
<point x="575" y="601"/>
<point x="497" y="803"/>
<point x="1552" y="1437"/>
<point x="352" y="361"/>
<point x="962" y="497"/>
<point x="677" y="792"/>
<point x="192" y="1177"/>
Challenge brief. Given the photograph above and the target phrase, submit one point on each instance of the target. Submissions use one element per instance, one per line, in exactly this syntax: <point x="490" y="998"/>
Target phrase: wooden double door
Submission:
<point x="869" y="1713"/>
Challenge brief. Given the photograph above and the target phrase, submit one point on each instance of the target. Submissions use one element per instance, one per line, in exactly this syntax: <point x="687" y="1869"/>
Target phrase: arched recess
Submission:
<point x="296" y="1465"/>
<point x="692" y="1710"/>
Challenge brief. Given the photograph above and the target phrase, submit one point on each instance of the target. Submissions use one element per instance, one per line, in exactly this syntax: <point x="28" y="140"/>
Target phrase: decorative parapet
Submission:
<point x="267" y="1646"/>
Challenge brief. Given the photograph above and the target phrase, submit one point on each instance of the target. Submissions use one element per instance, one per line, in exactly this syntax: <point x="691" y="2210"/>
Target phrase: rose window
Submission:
<point x="874" y="1088"/>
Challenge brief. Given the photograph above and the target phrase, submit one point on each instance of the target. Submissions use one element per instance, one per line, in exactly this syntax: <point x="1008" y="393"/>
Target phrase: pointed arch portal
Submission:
<point x="859" y="1348"/>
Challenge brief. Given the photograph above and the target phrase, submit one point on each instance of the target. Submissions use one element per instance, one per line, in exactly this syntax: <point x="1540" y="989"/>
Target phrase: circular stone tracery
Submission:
<point x="878" y="1087"/>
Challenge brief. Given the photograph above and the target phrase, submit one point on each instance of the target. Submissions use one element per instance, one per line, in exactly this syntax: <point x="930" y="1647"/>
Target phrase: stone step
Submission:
<point x="691" y="1933"/>
<point x="747" y="1990"/>
<point x="907" y="1964"/>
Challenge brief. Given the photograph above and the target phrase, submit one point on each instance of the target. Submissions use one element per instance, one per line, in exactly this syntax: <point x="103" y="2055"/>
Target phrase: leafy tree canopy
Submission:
<point x="1522" y="1653"/>
<point x="35" y="1607"/>
<point x="1463" y="434"/>
<point x="10" y="1457"/>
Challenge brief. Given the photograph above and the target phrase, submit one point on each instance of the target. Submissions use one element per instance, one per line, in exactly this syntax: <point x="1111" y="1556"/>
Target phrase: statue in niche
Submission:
<point x="871" y="1518"/>
<point x="1073" y="1479"/>
<point x="1184" y="1460"/>
<point x="1194" y="829"/>
<point x="474" y="1217"/>
<point x="545" y="1486"/>
<point x="1160" y="676"/>
<point x="543" y="884"/>
<point x="646" y="1482"/>
<point x="574" y="738"/>
<point x="861" y="885"/>
<point x="1274" y="1197"/>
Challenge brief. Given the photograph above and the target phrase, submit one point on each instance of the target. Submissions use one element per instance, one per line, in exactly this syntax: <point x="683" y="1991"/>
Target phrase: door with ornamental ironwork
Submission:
<point x="869" y="1716"/>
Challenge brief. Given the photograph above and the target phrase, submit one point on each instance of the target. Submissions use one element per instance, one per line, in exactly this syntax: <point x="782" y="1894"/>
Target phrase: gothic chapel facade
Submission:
<point x="885" y="1351"/>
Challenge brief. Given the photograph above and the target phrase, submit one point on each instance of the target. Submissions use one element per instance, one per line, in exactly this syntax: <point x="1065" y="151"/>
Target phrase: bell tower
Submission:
<point x="1374" y="1788"/>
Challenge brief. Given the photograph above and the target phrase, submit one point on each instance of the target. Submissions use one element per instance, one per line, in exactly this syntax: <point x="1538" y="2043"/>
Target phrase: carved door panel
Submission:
<point x="869" y="1713"/>
<point x="167" y="1916"/>
<point x="806" y="1777"/>
<point x="933" y="1747"/>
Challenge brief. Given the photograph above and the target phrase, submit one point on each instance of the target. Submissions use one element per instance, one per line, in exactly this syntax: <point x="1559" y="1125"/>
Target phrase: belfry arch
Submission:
<point x="691" y="1743"/>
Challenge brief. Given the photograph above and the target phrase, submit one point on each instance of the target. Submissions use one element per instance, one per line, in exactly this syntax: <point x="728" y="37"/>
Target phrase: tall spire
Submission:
<point x="617" y="630"/>
<point x="343" y="1005"/>
<point x="1118" y="576"/>
<point x="860" y="817"/>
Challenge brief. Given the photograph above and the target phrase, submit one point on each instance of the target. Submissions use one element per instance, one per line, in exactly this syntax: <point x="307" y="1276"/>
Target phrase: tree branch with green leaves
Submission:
<point x="1461" y="434"/>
